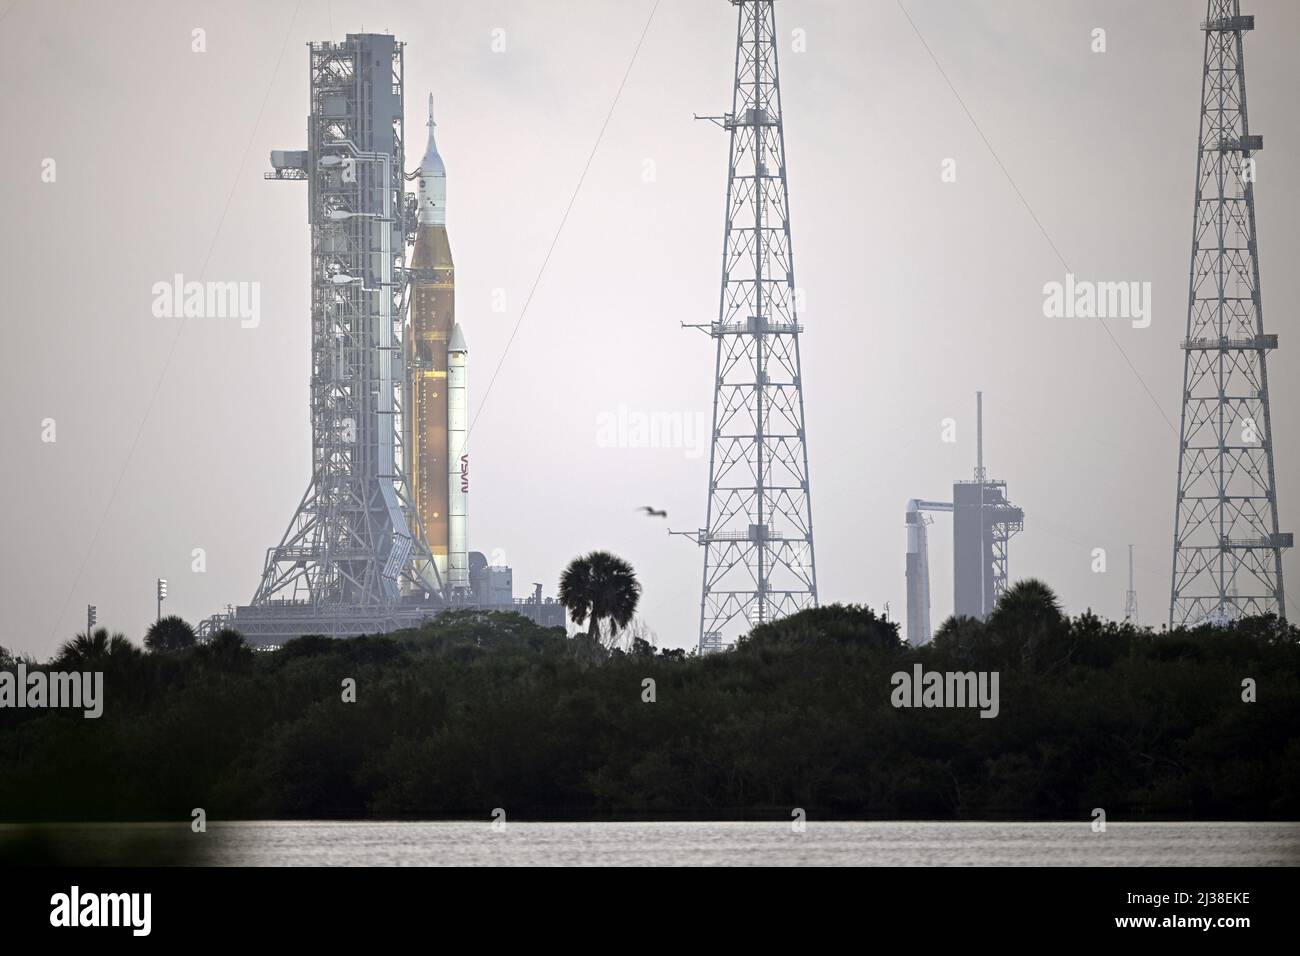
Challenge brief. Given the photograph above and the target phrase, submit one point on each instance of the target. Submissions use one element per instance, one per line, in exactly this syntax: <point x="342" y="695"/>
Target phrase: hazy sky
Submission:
<point x="173" y="436"/>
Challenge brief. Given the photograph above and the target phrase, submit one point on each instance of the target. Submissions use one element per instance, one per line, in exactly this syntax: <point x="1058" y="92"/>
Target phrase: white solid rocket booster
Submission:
<point x="458" y="462"/>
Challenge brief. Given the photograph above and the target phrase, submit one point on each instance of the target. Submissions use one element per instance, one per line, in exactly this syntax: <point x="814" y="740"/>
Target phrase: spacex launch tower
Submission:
<point x="983" y="524"/>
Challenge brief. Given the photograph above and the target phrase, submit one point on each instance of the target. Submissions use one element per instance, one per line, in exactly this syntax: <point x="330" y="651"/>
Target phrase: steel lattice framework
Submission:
<point x="1227" y="547"/>
<point x="758" y="557"/>
<point x="349" y="542"/>
<point x="1005" y="522"/>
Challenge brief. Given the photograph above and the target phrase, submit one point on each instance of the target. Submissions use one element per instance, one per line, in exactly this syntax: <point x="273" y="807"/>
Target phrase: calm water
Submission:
<point x="276" y="843"/>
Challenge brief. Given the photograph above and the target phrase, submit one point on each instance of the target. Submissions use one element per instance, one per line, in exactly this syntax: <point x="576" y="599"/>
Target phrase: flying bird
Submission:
<point x="653" y="512"/>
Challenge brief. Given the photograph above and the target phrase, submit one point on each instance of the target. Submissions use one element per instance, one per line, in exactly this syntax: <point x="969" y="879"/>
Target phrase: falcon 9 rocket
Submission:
<point x="436" y="407"/>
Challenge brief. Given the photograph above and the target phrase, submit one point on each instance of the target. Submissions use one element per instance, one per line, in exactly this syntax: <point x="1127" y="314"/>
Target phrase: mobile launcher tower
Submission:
<point x="367" y="551"/>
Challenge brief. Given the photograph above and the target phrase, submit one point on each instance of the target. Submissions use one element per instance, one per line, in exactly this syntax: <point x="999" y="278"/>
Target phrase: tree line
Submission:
<point x="482" y="710"/>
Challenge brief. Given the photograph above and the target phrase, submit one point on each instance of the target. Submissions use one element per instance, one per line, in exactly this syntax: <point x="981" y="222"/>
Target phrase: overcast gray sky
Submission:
<point x="918" y="292"/>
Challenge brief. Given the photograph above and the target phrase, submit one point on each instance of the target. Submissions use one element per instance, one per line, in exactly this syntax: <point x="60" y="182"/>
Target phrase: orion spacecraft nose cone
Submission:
<point x="432" y="192"/>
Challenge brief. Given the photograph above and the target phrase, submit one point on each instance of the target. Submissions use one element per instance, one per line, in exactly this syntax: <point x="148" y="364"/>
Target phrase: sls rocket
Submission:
<point x="437" y="462"/>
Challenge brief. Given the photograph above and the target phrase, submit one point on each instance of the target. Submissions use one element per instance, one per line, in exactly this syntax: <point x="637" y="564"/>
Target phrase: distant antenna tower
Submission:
<point x="758" y="557"/>
<point x="1227" y="546"/>
<point x="1131" y="595"/>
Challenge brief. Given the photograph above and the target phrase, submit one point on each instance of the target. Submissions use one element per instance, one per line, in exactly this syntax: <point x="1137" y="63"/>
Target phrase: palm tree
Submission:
<point x="599" y="586"/>
<point x="95" y="648"/>
<point x="1027" y="602"/>
<point x="227" y="649"/>
<point x="1027" y="624"/>
<point x="170" y="633"/>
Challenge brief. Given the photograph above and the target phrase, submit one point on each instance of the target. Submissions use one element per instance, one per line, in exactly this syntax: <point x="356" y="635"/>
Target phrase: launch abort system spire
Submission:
<point x="758" y="542"/>
<point x="1227" y="546"/>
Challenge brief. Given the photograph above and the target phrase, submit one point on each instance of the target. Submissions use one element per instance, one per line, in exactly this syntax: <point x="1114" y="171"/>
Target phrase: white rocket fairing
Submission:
<point x="458" y="457"/>
<point x="917" y="574"/>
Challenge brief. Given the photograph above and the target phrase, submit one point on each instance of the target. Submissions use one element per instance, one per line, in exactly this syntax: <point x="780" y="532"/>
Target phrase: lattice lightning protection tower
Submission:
<point x="1227" y="546"/>
<point x="758" y="542"/>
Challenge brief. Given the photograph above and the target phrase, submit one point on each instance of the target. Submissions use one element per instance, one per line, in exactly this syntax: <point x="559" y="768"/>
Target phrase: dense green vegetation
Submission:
<point x="487" y="710"/>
